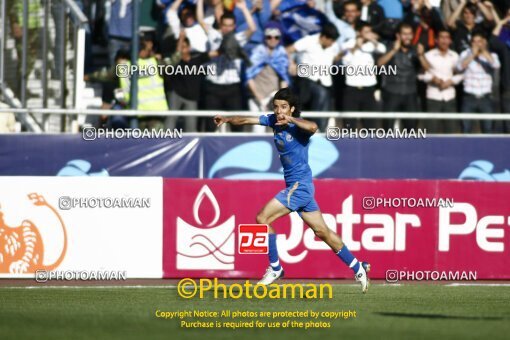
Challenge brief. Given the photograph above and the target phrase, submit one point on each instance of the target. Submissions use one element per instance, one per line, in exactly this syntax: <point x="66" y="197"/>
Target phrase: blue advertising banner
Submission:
<point x="477" y="158"/>
<point x="71" y="155"/>
<point x="246" y="157"/>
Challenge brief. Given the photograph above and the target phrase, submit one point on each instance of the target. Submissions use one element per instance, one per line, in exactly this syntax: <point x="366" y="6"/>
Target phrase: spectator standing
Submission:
<point x="316" y="50"/>
<point x="185" y="88"/>
<point x="269" y="71"/>
<point x="187" y="20"/>
<point x="478" y="65"/>
<point x="151" y="89"/>
<point x="360" y="89"/>
<point x="223" y="88"/>
<point x="352" y="13"/>
<point x="426" y="22"/>
<point x="261" y="14"/>
<point x="346" y="24"/>
<point x="400" y="90"/>
<point x="464" y="28"/>
<point x="441" y="80"/>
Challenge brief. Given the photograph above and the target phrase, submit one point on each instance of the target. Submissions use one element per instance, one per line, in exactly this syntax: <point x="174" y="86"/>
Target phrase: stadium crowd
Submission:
<point x="450" y="56"/>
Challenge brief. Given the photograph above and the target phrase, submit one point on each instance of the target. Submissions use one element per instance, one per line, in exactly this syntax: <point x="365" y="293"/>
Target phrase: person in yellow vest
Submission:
<point x="15" y="14"/>
<point x="151" y="88"/>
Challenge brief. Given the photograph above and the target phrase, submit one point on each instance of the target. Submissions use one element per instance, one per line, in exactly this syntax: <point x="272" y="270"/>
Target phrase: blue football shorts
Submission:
<point x="298" y="197"/>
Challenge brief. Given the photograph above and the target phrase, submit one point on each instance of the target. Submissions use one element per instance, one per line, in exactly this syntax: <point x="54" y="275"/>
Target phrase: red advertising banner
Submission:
<point x="410" y="225"/>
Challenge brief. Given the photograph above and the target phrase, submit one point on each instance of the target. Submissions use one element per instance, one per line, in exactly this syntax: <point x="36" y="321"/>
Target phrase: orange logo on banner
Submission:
<point x="22" y="248"/>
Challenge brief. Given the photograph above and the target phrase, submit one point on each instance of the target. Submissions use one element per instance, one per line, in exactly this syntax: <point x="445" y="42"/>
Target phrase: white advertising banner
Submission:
<point x="95" y="224"/>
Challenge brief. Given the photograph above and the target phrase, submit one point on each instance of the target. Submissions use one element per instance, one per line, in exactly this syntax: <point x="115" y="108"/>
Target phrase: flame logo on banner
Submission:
<point x="211" y="247"/>
<point x="22" y="247"/>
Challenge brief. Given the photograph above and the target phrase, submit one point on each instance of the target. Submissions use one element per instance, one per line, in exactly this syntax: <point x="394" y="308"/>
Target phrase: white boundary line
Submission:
<point x="43" y="286"/>
<point x="478" y="284"/>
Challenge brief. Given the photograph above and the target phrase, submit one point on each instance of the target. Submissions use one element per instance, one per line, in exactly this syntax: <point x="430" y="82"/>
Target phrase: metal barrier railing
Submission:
<point x="81" y="23"/>
<point x="329" y="114"/>
<point x="307" y="114"/>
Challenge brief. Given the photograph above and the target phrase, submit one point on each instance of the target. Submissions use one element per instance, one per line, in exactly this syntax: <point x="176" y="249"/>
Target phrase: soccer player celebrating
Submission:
<point x="292" y="138"/>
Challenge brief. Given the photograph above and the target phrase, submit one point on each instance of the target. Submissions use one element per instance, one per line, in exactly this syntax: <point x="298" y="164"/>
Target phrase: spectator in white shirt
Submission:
<point x="223" y="86"/>
<point x="360" y="88"/>
<point x="187" y="20"/>
<point x="441" y="80"/>
<point x="316" y="51"/>
<point x="478" y="65"/>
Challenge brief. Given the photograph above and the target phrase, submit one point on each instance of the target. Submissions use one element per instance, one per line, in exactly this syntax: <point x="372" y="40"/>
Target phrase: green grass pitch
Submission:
<point x="414" y="311"/>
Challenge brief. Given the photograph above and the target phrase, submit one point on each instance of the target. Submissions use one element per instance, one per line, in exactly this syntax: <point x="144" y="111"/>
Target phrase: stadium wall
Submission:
<point x="190" y="226"/>
<point x="248" y="157"/>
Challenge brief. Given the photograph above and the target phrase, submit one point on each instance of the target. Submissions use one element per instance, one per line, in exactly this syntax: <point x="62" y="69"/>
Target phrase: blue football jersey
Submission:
<point x="292" y="145"/>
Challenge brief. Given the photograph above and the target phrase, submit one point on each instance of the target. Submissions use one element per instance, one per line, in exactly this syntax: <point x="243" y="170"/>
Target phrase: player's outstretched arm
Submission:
<point x="303" y="124"/>
<point x="219" y="120"/>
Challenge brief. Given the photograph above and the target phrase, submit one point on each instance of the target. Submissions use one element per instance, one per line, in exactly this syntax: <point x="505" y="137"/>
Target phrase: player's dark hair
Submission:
<point x="352" y="2"/>
<point x="443" y="30"/>
<point x="228" y="15"/>
<point x="329" y="31"/>
<point x="287" y="95"/>
<point x="404" y="25"/>
<point x="361" y="25"/>
<point x="478" y="33"/>
<point x="471" y="8"/>
<point x="190" y="8"/>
